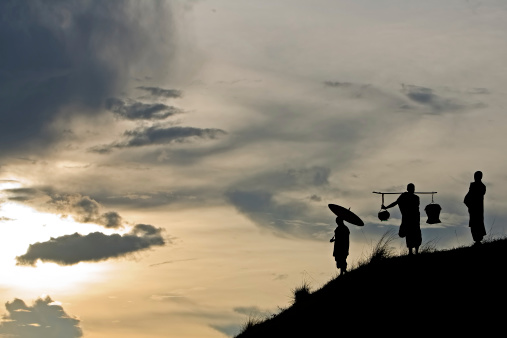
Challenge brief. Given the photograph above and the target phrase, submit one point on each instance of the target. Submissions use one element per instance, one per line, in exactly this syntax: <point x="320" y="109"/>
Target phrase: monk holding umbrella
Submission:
<point x="341" y="235"/>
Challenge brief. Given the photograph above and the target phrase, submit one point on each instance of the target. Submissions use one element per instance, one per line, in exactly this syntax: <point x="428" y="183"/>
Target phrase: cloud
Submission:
<point x="479" y="91"/>
<point x="252" y="311"/>
<point x="437" y="104"/>
<point x="289" y="179"/>
<point x="194" y="197"/>
<point x="63" y="58"/>
<point x="172" y="298"/>
<point x="141" y="111"/>
<point x="289" y="217"/>
<point x="173" y="261"/>
<point x="230" y="330"/>
<point x="44" y="318"/>
<point x="23" y="194"/>
<point x="157" y="135"/>
<point x="280" y="276"/>
<point x="364" y="91"/>
<point x="94" y="247"/>
<point x="233" y="329"/>
<point x="84" y="209"/>
<point x="278" y="200"/>
<point x="423" y="97"/>
<point x="160" y="92"/>
<point x="315" y="198"/>
<point x="338" y="84"/>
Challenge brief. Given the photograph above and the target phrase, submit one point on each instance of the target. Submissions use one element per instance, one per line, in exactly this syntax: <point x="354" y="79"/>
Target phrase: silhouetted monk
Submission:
<point x="341" y="245"/>
<point x="474" y="200"/>
<point x="410" y="227"/>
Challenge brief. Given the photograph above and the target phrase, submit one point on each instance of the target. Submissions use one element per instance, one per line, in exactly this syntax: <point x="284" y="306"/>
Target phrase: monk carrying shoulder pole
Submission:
<point x="432" y="209"/>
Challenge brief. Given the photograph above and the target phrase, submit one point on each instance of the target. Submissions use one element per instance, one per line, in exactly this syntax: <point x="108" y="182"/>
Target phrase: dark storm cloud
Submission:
<point x="65" y="57"/>
<point x="140" y="111"/>
<point x="157" y="134"/>
<point x="436" y="103"/>
<point x="160" y="92"/>
<point x="94" y="247"/>
<point x="43" y="319"/>
<point x="84" y="209"/>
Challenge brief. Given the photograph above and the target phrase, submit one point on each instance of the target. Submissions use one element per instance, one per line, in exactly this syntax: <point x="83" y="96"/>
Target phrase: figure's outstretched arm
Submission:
<point x="390" y="205"/>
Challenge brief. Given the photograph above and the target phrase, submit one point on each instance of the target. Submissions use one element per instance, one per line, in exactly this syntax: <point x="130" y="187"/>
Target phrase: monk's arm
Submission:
<point x="390" y="205"/>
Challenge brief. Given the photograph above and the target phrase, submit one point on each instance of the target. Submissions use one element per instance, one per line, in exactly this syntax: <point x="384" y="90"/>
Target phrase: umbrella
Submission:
<point x="345" y="214"/>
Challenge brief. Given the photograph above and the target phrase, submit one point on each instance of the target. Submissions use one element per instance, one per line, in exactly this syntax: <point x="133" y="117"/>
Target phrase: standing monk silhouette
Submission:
<point x="341" y="245"/>
<point x="410" y="227"/>
<point x="474" y="200"/>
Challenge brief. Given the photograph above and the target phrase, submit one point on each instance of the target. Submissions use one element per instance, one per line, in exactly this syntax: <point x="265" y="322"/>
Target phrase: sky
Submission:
<point x="166" y="166"/>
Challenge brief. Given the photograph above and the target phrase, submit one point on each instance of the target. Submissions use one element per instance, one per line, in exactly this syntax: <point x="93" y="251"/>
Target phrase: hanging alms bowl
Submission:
<point x="433" y="213"/>
<point x="383" y="215"/>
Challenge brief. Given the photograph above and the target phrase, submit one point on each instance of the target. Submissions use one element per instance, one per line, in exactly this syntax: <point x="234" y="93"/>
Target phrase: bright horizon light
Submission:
<point x="22" y="226"/>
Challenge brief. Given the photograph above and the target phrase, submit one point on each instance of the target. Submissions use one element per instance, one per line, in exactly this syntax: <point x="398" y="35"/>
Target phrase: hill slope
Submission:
<point x="454" y="292"/>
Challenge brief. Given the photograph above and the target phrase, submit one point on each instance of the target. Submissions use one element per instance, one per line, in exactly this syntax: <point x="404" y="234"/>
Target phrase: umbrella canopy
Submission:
<point x="346" y="214"/>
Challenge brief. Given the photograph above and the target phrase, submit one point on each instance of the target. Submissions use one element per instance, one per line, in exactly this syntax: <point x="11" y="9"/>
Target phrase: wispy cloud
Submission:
<point x="290" y="217"/>
<point x="437" y="103"/>
<point x="83" y="208"/>
<point x="157" y="135"/>
<point x="173" y="261"/>
<point x="161" y="92"/>
<point x="252" y="311"/>
<point x="140" y="111"/>
<point x="272" y="200"/>
<point x="280" y="276"/>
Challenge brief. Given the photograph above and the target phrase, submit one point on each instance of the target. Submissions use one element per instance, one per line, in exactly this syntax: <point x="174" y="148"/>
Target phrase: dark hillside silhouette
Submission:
<point x="457" y="292"/>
